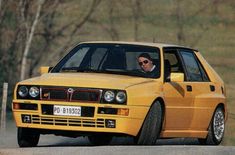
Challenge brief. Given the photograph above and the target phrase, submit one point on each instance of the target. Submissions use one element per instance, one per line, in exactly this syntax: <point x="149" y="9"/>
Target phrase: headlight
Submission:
<point x="34" y="92"/>
<point x="121" y="97"/>
<point x="109" y="96"/>
<point x="23" y="91"/>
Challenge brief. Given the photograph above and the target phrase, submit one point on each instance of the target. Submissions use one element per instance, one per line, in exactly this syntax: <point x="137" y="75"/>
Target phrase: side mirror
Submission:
<point x="177" y="77"/>
<point x="45" y="69"/>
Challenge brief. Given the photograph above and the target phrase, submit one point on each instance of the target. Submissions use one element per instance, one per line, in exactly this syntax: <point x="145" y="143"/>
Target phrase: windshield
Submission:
<point x="108" y="58"/>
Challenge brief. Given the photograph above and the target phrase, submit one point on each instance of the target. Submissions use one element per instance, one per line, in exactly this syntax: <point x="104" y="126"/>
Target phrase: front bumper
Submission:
<point x="108" y="123"/>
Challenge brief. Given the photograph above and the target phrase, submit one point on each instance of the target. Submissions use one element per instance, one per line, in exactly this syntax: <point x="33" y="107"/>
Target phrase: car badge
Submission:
<point x="46" y="95"/>
<point x="70" y="90"/>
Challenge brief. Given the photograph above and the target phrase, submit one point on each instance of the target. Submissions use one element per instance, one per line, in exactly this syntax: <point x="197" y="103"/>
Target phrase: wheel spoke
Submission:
<point x="218" y="125"/>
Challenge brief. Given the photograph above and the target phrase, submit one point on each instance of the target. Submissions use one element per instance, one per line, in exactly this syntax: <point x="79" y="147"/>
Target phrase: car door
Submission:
<point x="203" y="91"/>
<point x="178" y="96"/>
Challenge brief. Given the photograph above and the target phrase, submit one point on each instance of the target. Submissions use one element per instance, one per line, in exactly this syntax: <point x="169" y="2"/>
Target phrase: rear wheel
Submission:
<point x="151" y="127"/>
<point x="100" y="139"/>
<point x="216" y="129"/>
<point x="27" y="137"/>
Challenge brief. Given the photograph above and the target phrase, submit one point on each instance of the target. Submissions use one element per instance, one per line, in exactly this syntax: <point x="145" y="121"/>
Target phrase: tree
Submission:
<point x="50" y="31"/>
<point x="111" y="14"/>
<point x="182" y="18"/>
<point x="30" y="33"/>
<point x="28" y="30"/>
<point x="180" y="22"/>
<point x="77" y="24"/>
<point x="137" y="12"/>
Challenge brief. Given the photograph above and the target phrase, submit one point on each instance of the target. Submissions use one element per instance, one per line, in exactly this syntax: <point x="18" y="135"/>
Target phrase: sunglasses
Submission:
<point x="144" y="62"/>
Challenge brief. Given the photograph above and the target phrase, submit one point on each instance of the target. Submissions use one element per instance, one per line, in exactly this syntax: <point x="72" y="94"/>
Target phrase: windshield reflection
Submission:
<point x="119" y="59"/>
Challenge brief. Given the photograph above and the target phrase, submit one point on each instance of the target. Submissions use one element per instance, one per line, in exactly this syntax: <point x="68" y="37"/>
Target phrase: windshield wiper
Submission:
<point x="69" y="69"/>
<point x="123" y="72"/>
<point x="113" y="71"/>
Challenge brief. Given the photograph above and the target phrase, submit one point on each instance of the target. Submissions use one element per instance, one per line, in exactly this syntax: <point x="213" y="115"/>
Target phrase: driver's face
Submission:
<point x="145" y="64"/>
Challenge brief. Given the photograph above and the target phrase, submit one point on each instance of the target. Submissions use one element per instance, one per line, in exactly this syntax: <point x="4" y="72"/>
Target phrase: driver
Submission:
<point x="147" y="65"/>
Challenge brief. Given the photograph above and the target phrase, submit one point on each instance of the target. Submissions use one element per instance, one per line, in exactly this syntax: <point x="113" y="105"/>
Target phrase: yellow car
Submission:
<point x="104" y="89"/>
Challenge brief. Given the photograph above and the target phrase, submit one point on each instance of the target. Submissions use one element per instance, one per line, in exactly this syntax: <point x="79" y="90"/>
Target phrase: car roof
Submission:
<point x="160" y="45"/>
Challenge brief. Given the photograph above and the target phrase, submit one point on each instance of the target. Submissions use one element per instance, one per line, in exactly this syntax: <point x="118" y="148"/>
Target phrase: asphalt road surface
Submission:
<point x="50" y="144"/>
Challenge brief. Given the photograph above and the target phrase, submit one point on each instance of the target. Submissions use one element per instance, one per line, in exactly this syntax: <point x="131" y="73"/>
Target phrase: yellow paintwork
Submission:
<point x="135" y="114"/>
<point x="190" y="117"/>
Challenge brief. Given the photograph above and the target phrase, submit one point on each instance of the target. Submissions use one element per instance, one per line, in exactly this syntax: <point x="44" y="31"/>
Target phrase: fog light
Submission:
<point x="26" y="118"/>
<point x="110" y="123"/>
<point x="110" y="111"/>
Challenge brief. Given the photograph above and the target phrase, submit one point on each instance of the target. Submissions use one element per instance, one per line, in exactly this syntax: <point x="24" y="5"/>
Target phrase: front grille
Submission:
<point x="47" y="109"/>
<point x="70" y="94"/>
<point x="79" y="122"/>
<point x="84" y="95"/>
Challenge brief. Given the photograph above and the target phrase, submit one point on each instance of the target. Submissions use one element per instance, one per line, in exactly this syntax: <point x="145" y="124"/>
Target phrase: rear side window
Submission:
<point x="203" y="72"/>
<point x="194" y="69"/>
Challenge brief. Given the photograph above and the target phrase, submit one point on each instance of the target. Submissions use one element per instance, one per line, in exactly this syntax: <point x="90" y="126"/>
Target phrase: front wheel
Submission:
<point x="152" y="126"/>
<point x="27" y="137"/>
<point x="216" y="129"/>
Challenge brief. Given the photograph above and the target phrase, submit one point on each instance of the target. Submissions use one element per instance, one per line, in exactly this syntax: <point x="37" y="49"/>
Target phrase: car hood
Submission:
<point x="91" y="80"/>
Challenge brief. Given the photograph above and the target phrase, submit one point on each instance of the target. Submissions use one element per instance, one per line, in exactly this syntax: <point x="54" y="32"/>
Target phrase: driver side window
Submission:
<point x="172" y="63"/>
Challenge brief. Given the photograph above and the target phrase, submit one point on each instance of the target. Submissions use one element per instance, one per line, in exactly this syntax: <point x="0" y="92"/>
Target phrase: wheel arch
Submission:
<point x="223" y="106"/>
<point x="211" y="139"/>
<point x="220" y="105"/>
<point x="159" y="99"/>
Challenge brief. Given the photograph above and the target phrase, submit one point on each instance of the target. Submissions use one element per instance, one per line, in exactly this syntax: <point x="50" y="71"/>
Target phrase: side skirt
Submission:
<point x="183" y="133"/>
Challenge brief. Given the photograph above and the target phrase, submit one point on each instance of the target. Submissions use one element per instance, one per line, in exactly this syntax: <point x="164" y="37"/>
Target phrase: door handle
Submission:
<point x="189" y="88"/>
<point x="212" y="88"/>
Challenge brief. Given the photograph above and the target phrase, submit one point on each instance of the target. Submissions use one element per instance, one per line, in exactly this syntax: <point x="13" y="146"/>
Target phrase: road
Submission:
<point x="50" y="144"/>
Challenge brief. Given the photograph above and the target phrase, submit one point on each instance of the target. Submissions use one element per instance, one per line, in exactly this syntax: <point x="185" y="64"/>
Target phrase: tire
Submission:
<point x="152" y="126"/>
<point x="27" y="137"/>
<point x="216" y="129"/>
<point x="100" y="139"/>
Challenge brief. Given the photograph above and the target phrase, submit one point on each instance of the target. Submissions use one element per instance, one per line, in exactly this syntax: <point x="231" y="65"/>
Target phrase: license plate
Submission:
<point x="67" y="110"/>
